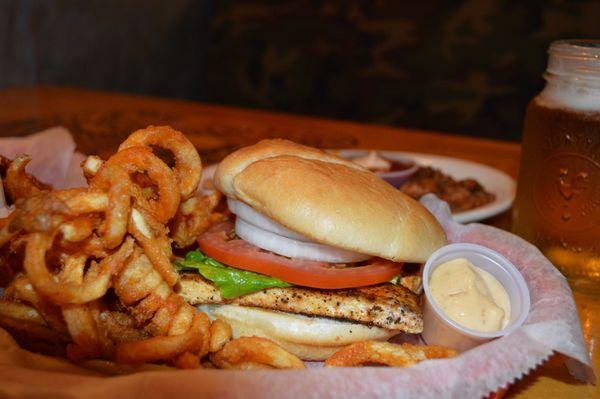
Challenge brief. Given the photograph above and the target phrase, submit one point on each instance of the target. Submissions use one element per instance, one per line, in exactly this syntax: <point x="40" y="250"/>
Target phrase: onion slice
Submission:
<point x="261" y="221"/>
<point x="294" y="248"/>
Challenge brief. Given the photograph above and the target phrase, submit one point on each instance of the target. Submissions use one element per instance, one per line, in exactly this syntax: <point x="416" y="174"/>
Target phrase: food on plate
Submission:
<point x="313" y="235"/>
<point x="90" y="273"/>
<point x="470" y="296"/>
<point x="416" y="181"/>
<point x="461" y="195"/>
<point x="386" y="353"/>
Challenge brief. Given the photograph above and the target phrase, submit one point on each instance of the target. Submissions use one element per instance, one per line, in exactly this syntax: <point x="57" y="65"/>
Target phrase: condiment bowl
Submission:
<point x="440" y="329"/>
<point x="397" y="177"/>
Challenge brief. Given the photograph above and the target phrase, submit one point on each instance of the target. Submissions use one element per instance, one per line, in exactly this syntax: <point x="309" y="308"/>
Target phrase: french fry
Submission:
<point x="248" y="352"/>
<point x="404" y="355"/>
<point x="220" y="334"/>
<point x="26" y="320"/>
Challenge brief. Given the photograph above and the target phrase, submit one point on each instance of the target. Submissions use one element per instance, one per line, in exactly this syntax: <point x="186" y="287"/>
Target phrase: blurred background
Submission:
<point x="466" y="67"/>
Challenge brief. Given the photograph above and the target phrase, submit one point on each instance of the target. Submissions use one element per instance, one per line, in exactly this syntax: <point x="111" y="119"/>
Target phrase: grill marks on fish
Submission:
<point x="386" y="305"/>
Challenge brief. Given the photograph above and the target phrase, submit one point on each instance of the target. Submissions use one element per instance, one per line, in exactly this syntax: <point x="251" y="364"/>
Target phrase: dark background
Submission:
<point x="466" y="67"/>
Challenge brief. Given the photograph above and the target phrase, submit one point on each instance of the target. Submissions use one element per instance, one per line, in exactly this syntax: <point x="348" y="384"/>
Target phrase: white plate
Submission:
<point x="493" y="180"/>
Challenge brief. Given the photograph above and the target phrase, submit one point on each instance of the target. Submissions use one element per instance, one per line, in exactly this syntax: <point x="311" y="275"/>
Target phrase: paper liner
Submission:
<point x="51" y="151"/>
<point x="552" y="325"/>
<point x="74" y="175"/>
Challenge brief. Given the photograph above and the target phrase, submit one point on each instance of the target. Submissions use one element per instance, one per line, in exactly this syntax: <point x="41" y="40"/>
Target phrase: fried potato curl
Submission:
<point x="18" y="183"/>
<point x="254" y="353"/>
<point x="386" y="353"/>
<point x="89" y="270"/>
<point x="188" y="166"/>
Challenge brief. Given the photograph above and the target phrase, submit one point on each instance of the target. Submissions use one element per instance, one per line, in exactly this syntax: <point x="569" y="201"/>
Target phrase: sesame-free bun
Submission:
<point x="309" y="338"/>
<point x="330" y="200"/>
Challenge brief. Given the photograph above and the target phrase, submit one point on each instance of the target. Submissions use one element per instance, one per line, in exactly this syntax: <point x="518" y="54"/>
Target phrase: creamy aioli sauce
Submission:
<point x="372" y="161"/>
<point x="470" y="296"/>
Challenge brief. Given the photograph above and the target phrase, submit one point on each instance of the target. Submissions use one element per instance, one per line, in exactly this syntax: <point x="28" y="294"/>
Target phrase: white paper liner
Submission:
<point x="552" y="325"/>
<point x="53" y="157"/>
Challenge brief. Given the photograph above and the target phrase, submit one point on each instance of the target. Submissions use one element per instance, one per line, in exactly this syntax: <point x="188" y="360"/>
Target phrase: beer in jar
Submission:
<point x="558" y="194"/>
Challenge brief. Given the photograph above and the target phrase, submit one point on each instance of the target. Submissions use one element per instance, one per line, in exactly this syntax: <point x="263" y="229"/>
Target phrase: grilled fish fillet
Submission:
<point x="386" y="305"/>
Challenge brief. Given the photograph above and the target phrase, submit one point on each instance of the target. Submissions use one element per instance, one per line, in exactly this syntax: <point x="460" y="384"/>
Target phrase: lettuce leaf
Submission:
<point x="231" y="282"/>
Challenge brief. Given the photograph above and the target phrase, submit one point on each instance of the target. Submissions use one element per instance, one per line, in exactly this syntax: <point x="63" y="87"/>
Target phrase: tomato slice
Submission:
<point x="308" y="273"/>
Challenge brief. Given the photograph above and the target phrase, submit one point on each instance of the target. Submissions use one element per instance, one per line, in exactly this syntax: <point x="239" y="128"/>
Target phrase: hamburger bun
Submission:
<point x="309" y="338"/>
<point x="330" y="200"/>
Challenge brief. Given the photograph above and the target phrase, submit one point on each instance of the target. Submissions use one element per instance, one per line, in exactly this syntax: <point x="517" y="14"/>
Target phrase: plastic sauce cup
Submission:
<point x="440" y="329"/>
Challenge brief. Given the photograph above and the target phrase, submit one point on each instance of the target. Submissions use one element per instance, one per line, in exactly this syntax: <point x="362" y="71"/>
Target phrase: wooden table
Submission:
<point x="100" y="121"/>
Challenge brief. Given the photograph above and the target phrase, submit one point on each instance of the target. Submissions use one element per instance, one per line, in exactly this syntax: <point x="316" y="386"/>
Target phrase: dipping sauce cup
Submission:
<point x="398" y="177"/>
<point x="440" y="329"/>
<point x="395" y="177"/>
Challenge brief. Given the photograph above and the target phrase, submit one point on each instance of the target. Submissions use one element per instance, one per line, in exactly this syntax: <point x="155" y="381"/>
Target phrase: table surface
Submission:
<point x="99" y="121"/>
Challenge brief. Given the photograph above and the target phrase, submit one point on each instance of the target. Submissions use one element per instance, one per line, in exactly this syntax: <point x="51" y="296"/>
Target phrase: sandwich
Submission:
<point x="318" y="252"/>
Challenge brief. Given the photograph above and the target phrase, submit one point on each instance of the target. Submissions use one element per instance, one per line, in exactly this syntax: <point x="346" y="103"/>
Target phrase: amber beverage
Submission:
<point x="558" y="195"/>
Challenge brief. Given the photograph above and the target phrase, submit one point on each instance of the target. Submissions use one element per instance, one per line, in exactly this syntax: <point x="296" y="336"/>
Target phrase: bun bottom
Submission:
<point x="309" y="338"/>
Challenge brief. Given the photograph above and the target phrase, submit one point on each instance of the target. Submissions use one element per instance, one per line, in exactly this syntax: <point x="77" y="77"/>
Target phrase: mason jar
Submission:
<point x="557" y="206"/>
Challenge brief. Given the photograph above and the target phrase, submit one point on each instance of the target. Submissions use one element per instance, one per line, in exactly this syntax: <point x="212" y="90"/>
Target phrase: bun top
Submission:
<point x="330" y="200"/>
